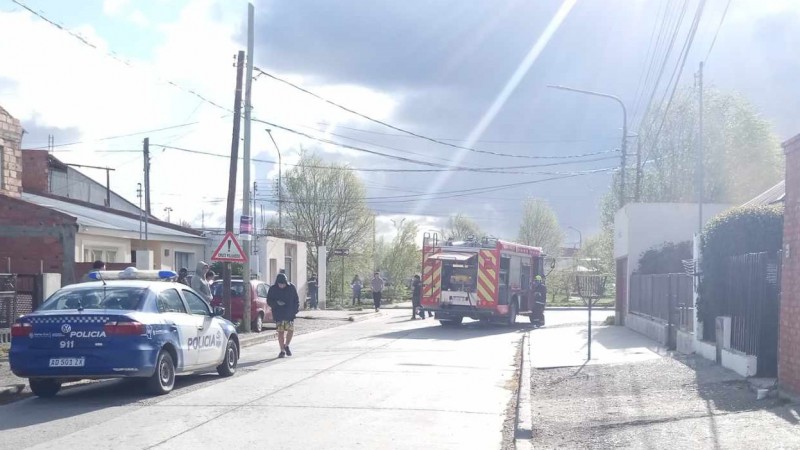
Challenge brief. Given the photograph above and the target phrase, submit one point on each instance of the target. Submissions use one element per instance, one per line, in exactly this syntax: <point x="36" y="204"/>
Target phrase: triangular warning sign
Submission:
<point x="229" y="250"/>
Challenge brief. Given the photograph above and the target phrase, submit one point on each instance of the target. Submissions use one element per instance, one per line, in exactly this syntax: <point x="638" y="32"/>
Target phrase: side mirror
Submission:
<point x="219" y="311"/>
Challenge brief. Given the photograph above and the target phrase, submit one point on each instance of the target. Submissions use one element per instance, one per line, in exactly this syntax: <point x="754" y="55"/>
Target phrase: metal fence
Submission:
<point x="661" y="295"/>
<point x="17" y="296"/>
<point x="752" y="303"/>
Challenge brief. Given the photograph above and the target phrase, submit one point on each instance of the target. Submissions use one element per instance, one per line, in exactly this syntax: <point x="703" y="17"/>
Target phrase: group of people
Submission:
<point x="377" y="284"/>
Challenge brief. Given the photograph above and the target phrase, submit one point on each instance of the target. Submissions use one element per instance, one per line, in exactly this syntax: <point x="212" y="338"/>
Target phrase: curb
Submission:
<point x="12" y="389"/>
<point x="523" y="432"/>
<point x="578" y="308"/>
<point x="349" y="318"/>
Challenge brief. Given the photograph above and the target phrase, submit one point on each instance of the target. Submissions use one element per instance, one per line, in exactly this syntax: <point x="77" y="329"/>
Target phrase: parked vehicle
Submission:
<point x="260" y="312"/>
<point x="129" y="324"/>
<point x="486" y="279"/>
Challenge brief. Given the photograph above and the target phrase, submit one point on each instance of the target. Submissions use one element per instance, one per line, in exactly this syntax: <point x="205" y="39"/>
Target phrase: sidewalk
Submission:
<point x="632" y="394"/>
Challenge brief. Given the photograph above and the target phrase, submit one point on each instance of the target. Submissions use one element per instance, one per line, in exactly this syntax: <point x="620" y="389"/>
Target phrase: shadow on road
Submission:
<point x="469" y="330"/>
<point x="87" y="398"/>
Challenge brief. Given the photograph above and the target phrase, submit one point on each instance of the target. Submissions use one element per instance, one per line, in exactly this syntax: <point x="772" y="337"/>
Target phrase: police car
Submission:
<point x="127" y="324"/>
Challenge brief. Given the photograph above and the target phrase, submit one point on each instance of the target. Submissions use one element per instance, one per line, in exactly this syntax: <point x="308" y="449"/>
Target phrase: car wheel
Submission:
<point x="258" y="325"/>
<point x="163" y="380"/>
<point x="452" y="322"/>
<point x="228" y="366"/>
<point x="45" y="387"/>
<point x="512" y="313"/>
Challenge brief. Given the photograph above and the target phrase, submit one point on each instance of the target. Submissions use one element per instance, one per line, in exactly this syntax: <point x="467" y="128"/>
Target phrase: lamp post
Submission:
<point x="168" y="210"/>
<point x="624" y="148"/>
<point x="580" y="237"/>
<point x="280" y="176"/>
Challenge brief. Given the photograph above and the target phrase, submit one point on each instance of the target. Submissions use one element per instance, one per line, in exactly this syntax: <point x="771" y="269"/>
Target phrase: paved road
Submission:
<point x="388" y="382"/>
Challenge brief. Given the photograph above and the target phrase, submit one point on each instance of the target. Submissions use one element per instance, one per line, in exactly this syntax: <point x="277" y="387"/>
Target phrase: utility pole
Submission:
<point x="246" y="167"/>
<point x="280" y="177"/>
<point x="146" y="185"/>
<point x="700" y="151"/>
<point x="237" y="117"/>
<point x="638" y="193"/>
<point x="139" y="195"/>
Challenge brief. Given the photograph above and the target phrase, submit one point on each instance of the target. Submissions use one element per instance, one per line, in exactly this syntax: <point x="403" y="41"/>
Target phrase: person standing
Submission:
<point x="356" y="285"/>
<point x="199" y="282"/>
<point x="377" y="290"/>
<point x="97" y="266"/>
<point x="313" y="291"/>
<point x="283" y="299"/>
<point x="416" y="298"/>
<point x="539" y="300"/>
<point x="183" y="276"/>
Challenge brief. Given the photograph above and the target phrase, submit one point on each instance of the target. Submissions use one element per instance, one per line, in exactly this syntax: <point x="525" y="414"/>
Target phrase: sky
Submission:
<point x="470" y="74"/>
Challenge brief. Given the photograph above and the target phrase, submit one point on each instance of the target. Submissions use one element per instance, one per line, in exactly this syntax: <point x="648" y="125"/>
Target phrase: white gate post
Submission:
<point x="322" y="275"/>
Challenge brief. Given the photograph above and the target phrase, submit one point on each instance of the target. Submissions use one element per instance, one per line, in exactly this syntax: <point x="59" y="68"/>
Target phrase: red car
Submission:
<point x="260" y="312"/>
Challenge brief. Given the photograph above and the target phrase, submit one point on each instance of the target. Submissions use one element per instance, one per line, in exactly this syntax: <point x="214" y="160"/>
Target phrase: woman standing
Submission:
<point x="356" y="285"/>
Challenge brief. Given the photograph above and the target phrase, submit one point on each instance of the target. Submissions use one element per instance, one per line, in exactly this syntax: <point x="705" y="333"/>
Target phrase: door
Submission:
<point x="208" y="341"/>
<point x="503" y="288"/>
<point x="179" y="321"/>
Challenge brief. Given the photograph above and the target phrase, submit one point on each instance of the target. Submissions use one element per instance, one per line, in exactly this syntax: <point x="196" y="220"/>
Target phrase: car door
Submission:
<point x="261" y="292"/>
<point x="209" y="340"/>
<point x="180" y="321"/>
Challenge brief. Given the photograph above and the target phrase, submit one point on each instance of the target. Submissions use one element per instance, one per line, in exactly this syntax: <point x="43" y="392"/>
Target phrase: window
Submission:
<point x="237" y="289"/>
<point x="196" y="304"/>
<point x="170" y="301"/>
<point x="182" y="260"/>
<point x="261" y="291"/>
<point x="288" y="267"/>
<point x="91" y="254"/>
<point x="120" y="298"/>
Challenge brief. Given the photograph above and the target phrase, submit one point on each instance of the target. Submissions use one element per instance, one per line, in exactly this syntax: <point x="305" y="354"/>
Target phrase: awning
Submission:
<point x="460" y="257"/>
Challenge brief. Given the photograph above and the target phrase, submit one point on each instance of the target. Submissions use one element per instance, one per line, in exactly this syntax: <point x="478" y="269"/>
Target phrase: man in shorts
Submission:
<point x="285" y="303"/>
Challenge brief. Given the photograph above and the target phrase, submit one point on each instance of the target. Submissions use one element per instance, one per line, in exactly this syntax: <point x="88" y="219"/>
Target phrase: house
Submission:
<point x="789" y="328"/>
<point x="55" y="219"/>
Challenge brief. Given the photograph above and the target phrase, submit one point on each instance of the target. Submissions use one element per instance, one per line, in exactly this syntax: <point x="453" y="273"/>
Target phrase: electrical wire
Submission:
<point x="716" y="33"/>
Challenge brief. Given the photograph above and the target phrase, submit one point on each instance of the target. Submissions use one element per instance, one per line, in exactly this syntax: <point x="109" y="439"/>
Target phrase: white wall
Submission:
<point x="638" y="227"/>
<point x="271" y="247"/>
<point x="121" y="245"/>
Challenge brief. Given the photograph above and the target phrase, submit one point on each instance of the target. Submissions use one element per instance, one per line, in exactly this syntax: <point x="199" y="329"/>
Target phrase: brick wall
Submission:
<point x="35" y="171"/>
<point x="789" y="341"/>
<point x="11" y="158"/>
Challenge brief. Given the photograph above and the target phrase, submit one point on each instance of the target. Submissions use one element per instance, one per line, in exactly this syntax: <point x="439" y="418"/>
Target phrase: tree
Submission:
<point x="402" y="258"/>
<point x="597" y="253"/>
<point x="460" y="227"/>
<point x="742" y="156"/>
<point x="540" y="227"/>
<point x="325" y="203"/>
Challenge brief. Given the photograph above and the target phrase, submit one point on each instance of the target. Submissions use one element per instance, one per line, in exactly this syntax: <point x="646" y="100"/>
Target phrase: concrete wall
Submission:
<point x="652" y="328"/>
<point x="164" y="253"/>
<point x="86" y="242"/>
<point x="789" y="340"/>
<point x="10" y="155"/>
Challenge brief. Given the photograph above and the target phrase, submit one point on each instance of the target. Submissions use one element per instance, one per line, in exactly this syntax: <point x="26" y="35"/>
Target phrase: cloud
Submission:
<point x="138" y="18"/>
<point x="114" y="7"/>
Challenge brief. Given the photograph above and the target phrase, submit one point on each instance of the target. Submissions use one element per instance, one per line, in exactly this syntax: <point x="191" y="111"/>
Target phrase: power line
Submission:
<point x="117" y="58"/>
<point x="650" y="56"/>
<point x="716" y="33"/>
<point x="380" y="122"/>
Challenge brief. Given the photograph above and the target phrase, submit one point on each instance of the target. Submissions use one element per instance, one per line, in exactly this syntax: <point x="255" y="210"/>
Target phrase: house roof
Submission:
<point x="771" y="196"/>
<point x="92" y="216"/>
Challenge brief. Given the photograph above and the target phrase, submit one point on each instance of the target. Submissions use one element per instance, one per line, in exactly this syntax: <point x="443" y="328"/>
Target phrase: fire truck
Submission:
<point x="485" y="279"/>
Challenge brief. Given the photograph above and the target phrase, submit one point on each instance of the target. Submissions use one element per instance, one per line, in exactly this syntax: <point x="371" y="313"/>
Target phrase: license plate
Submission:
<point x="67" y="362"/>
<point x="458" y="299"/>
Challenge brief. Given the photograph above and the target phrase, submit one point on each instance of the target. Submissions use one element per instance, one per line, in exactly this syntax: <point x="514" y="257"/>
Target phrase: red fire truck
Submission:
<point x="486" y="279"/>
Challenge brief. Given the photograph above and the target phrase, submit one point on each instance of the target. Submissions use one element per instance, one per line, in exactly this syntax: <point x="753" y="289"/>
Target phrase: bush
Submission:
<point x="666" y="259"/>
<point x="739" y="231"/>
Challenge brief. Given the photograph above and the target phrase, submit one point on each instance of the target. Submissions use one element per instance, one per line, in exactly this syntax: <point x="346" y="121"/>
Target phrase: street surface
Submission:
<point x="387" y="382"/>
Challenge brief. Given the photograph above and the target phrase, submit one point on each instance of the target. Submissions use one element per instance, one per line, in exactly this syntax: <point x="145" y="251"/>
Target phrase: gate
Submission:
<point x="18" y="296"/>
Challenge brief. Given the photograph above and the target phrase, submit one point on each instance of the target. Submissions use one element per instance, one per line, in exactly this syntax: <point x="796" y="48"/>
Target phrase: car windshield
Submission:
<point x="237" y="288"/>
<point x="121" y="298"/>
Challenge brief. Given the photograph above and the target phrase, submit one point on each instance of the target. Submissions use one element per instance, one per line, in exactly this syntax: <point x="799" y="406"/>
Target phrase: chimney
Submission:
<point x="10" y="156"/>
<point x="35" y="171"/>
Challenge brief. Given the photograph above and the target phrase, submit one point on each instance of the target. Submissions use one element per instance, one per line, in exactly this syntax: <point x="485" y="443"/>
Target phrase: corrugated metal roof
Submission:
<point x="96" y="218"/>
<point x="771" y="196"/>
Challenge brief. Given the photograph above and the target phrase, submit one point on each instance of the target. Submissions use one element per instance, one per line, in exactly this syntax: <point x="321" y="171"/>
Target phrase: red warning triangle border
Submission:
<point x="215" y="256"/>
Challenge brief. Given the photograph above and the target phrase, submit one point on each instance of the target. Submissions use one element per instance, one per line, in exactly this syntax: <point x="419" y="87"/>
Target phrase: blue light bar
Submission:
<point x="132" y="273"/>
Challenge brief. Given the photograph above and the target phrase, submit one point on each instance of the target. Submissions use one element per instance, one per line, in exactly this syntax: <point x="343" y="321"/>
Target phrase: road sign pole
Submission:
<point x="589" y="344"/>
<point x="343" y="289"/>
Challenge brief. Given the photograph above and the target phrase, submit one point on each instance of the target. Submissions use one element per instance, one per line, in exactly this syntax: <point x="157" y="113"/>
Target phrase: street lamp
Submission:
<point x="580" y="237"/>
<point x="168" y="210"/>
<point x="624" y="134"/>
<point x="280" y="188"/>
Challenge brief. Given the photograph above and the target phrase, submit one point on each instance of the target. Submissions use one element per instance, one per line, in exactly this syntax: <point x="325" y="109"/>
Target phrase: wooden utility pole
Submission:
<point x="699" y="162"/>
<point x="237" y="116"/>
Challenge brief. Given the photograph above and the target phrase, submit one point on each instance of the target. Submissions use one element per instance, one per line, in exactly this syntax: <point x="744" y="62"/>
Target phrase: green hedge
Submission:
<point x="741" y="230"/>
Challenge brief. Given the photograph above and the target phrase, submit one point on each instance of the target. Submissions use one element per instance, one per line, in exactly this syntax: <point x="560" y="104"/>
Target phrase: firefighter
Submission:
<point x="539" y="300"/>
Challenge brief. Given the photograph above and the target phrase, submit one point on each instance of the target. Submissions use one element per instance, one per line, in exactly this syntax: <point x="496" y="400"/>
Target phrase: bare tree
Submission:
<point x="325" y="203"/>
<point x="461" y="227"/>
<point x="540" y="227"/>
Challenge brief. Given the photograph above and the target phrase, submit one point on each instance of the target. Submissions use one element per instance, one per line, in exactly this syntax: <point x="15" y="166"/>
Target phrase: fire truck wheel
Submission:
<point x="451" y="323"/>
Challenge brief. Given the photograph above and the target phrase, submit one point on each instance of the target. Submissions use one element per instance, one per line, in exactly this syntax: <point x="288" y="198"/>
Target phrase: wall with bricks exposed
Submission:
<point x="34" y="239"/>
<point x="35" y="171"/>
<point x="789" y="341"/>
<point x="10" y="155"/>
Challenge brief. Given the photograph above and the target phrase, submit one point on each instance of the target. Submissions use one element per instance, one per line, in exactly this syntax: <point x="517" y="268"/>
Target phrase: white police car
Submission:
<point x="129" y="324"/>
